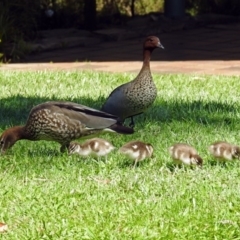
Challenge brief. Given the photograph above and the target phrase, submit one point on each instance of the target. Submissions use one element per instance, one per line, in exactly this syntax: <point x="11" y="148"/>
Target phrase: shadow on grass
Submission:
<point x="227" y="164"/>
<point x="174" y="168"/>
<point x="45" y="152"/>
<point x="14" y="111"/>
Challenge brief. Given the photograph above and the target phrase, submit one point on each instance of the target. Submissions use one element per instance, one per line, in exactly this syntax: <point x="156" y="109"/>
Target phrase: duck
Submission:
<point x="97" y="147"/>
<point x="224" y="151"/>
<point x="61" y="122"/>
<point x="185" y="154"/>
<point x="137" y="151"/>
<point x="135" y="97"/>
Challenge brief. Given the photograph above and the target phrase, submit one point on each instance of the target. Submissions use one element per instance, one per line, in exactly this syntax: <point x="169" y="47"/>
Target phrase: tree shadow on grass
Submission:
<point x="14" y="110"/>
<point x="199" y="112"/>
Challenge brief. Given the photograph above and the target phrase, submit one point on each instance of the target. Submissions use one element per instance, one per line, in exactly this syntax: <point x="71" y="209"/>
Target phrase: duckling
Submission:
<point x="96" y="147"/>
<point x="224" y="150"/>
<point x="137" y="151"/>
<point x="185" y="154"/>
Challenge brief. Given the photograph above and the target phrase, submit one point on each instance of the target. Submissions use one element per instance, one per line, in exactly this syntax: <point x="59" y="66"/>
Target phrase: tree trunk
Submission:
<point x="90" y="14"/>
<point x="132" y="8"/>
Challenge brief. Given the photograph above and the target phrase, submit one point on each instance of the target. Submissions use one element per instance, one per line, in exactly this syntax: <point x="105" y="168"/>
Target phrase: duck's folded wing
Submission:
<point x="90" y="117"/>
<point x="82" y="108"/>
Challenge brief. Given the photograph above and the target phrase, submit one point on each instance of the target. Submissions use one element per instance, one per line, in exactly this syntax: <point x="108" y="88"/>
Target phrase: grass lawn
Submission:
<point x="49" y="195"/>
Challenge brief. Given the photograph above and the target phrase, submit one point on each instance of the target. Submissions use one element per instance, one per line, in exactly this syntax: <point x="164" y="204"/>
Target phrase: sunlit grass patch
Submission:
<point x="49" y="195"/>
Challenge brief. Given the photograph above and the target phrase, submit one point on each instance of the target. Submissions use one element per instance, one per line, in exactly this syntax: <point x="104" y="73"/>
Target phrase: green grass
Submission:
<point x="49" y="195"/>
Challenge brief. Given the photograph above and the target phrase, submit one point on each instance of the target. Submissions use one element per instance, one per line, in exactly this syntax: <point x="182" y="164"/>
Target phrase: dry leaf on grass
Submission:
<point x="3" y="227"/>
<point x="98" y="180"/>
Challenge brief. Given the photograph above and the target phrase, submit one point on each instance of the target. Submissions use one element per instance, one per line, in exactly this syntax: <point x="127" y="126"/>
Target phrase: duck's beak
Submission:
<point x="160" y="45"/>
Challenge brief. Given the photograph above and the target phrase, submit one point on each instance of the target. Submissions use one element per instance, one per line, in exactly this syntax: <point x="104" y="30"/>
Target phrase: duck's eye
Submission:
<point x="1" y="142"/>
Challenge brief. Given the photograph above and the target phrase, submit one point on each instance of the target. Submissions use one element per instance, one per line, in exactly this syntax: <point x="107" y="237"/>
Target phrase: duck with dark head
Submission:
<point x="135" y="97"/>
<point x="61" y="122"/>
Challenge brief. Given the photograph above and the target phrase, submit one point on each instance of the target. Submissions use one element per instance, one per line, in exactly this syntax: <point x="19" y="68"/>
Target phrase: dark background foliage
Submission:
<point x="21" y="20"/>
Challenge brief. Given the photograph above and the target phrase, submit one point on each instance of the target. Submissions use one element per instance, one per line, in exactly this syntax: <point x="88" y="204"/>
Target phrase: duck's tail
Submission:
<point x="119" y="128"/>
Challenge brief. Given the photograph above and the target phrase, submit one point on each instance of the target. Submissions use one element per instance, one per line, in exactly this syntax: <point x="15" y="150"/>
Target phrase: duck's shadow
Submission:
<point x="172" y="167"/>
<point x="223" y="164"/>
<point x="14" y="110"/>
<point x="44" y="152"/>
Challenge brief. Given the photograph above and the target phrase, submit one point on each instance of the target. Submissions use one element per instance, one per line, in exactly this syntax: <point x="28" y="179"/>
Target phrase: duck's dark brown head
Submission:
<point x="10" y="137"/>
<point x="236" y="152"/>
<point x="196" y="159"/>
<point x="149" y="149"/>
<point x="152" y="42"/>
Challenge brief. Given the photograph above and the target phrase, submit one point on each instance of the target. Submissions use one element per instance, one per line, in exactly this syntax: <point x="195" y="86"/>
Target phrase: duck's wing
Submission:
<point x="116" y="101"/>
<point x="117" y="89"/>
<point x="89" y="117"/>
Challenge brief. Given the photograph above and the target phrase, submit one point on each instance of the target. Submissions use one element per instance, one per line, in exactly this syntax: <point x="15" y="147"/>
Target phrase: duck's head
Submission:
<point x="152" y="42"/>
<point x="196" y="160"/>
<point x="9" y="137"/>
<point x="236" y="152"/>
<point x="149" y="148"/>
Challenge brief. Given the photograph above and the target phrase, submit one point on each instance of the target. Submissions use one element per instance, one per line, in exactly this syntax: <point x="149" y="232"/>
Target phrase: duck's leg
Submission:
<point x="132" y="124"/>
<point x="135" y="163"/>
<point x="64" y="147"/>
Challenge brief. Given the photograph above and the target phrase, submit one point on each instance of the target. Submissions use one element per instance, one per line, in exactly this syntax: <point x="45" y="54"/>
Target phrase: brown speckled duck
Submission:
<point x="61" y="122"/>
<point x="135" y="97"/>
<point x="97" y="147"/>
<point x="224" y="150"/>
<point x="185" y="154"/>
<point x="137" y="150"/>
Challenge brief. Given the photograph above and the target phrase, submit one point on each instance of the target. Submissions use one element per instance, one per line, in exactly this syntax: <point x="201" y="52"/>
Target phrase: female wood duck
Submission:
<point x="61" y="122"/>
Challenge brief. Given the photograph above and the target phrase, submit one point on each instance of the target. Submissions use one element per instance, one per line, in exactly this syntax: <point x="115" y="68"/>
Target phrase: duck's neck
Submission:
<point x="20" y="133"/>
<point x="146" y="58"/>
<point x="145" y="70"/>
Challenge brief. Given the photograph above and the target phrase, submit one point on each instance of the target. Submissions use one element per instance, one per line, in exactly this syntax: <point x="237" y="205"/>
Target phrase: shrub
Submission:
<point x="124" y="6"/>
<point x="18" y="22"/>
<point x="231" y="7"/>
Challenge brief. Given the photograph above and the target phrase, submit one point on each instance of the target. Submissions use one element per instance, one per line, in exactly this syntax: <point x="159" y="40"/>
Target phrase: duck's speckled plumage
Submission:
<point x="224" y="150"/>
<point x="185" y="154"/>
<point x="96" y="147"/>
<point x="137" y="150"/>
<point x="138" y="95"/>
<point x="61" y="122"/>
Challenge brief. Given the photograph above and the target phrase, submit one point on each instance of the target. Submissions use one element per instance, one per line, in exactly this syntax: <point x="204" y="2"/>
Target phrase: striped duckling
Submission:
<point x="96" y="147"/>
<point x="61" y="122"/>
<point x="185" y="154"/>
<point x="224" y="150"/>
<point x="135" y="97"/>
<point x="137" y="150"/>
